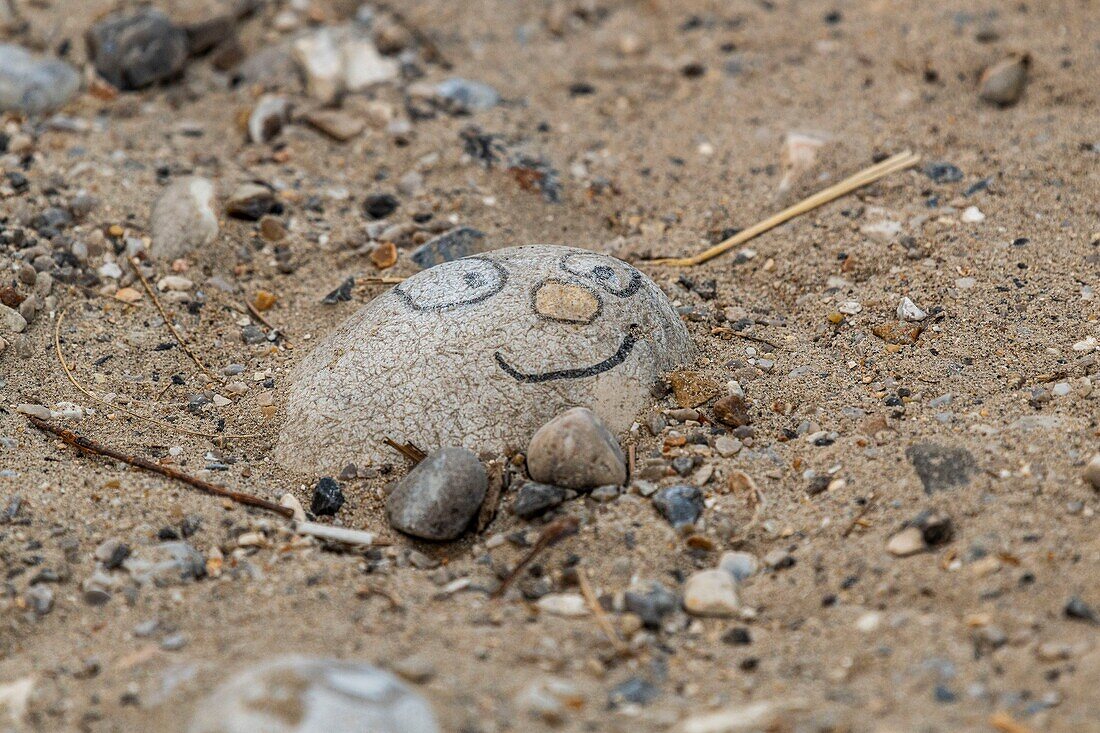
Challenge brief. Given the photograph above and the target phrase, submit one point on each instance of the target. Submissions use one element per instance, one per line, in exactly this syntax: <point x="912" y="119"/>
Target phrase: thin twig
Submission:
<point x="408" y="450"/>
<point x="598" y="612"/>
<point x="725" y="331"/>
<point x="135" y="263"/>
<point x="369" y="589"/>
<point x="858" y="518"/>
<point x="899" y="162"/>
<point x="488" y="510"/>
<point x="554" y="533"/>
<point x="380" y="280"/>
<point x="259" y="317"/>
<point x="92" y="396"/>
<point x="86" y="444"/>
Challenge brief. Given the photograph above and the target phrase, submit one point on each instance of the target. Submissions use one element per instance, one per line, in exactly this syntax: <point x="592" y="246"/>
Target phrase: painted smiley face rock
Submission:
<point x="479" y="353"/>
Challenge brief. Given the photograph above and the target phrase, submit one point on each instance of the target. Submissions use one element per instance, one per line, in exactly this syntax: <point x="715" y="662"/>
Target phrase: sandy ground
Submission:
<point x="679" y="140"/>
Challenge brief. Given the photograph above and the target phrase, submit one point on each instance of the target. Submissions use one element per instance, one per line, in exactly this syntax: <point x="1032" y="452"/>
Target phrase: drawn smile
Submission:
<point x="589" y="371"/>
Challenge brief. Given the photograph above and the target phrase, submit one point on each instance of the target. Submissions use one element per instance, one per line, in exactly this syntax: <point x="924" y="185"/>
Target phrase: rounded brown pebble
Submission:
<point x="576" y="451"/>
<point x="731" y="410"/>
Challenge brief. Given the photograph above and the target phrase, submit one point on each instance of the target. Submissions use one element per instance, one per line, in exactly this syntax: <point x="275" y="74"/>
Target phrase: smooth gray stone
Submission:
<point x="33" y="84"/>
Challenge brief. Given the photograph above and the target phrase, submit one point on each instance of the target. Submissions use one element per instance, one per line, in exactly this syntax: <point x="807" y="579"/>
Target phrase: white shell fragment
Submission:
<point x="479" y="353"/>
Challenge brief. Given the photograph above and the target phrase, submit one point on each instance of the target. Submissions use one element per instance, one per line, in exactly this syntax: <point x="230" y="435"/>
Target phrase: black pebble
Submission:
<point x="380" y="205"/>
<point x="680" y="505"/>
<point x="327" y="498"/>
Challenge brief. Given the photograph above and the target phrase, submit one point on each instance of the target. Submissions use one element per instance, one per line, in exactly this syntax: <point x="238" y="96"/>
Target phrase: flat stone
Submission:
<point x="732" y="410"/>
<point x="900" y="333"/>
<point x="710" y="593"/>
<point x="576" y="451"/>
<point x="334" y="60"/>
<point x="183" y="219"/>
<point x="457" y="355"/>
<point x="692" y="389"/>
<point x="943" y="172"/>
<point x="11" y="321"/>
<point x="452" y="245"/>
<point x="335" y="123"/>
<point x="250" y="201"/>
<point x="32" y="84"/>
<point x="168" y="563"/>
<point x="437" y="499"/>
<point x="740" y="565"/>
<point x="463" y="96"/>
<point x="941" y="467"/>
<point x="680" y="505"/>
<point x="534" y="499"/>
<point x="137" y="50"/>
<point x="297" y="694"/>
<point x="568" y="605"/>
<point x="908" y="541"/>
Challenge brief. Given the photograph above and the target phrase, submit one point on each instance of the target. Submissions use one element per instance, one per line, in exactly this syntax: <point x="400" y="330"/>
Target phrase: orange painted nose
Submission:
<point x="566" y="302"/>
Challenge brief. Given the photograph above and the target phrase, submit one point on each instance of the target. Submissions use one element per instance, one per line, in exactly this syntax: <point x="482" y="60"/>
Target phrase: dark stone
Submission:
<point x="680" y="505"/>
<point x="49" y="222"/>
<point x="136" y="51"/>
<point x="438" y="498"/>
<point x="341" y="294"/>
<point x="251" y="202"/>
<point x="635" y="690"/>
<point x="327" y="498"/>
<point x="1078" y="609"/>
<point x="683" y="465"/>
<point x="452" y="245"/>
<point x="942" y="172"/>
<point x="118" y="556"/>
<point x="651" y="606"/>
<point x="941" y="467"/>
<point x="252" y="334"/>
<point x="380" y="205"/>
<point x="935" y="528"/>
<point x="534" y="499"/>
<point x="737" y="636"/>
<point x="205" y="35"/>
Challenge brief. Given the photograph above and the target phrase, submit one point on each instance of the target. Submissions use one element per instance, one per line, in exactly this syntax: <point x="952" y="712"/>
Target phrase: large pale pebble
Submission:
<point x="711" y="593"/>
<point x="576" y="451"/>
<point x="183" y="219"/>
<point x="31" y="84"/>
<point x="481" y="352"/>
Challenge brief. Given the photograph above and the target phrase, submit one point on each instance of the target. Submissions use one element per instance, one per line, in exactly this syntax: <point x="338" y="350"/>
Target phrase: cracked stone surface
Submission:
<point x="479" y="353"/>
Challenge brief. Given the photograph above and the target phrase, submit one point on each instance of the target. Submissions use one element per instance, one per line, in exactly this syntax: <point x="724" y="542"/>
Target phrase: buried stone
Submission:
<point x="481" y="352"/>
<point x="941" y="467"/>
<point x="296" y="694"/>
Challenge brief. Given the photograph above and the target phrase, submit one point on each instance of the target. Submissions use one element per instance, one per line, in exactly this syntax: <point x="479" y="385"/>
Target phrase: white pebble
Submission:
<point x="973" y="215"/>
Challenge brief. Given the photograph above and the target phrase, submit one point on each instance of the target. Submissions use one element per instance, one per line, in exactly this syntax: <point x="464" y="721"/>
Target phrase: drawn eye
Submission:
<point x="453" y="284"/>
<point x="615" y="277"/>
